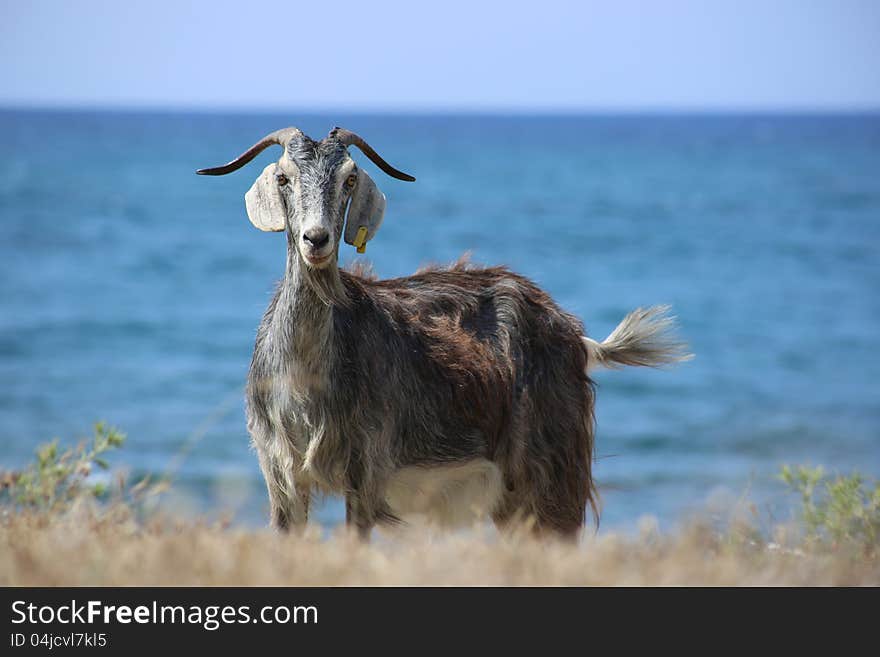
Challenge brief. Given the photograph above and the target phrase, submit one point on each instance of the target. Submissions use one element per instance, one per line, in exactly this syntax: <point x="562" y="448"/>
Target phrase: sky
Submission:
<point x="373" y="55"/>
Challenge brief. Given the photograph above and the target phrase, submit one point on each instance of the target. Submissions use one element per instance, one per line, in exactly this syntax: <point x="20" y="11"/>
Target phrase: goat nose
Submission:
<point x="317" y="237"/>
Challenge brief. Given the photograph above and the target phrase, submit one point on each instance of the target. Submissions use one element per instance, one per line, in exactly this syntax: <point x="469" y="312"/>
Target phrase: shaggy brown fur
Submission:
<point x="496" y="370"/>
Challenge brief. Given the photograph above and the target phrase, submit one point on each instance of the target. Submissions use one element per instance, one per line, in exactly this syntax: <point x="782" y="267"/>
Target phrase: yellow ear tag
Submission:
<point x="360" y="240"/>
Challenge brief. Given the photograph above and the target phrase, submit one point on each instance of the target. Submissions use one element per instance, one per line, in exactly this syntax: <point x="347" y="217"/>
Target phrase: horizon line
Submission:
<point x="415" y="110"/>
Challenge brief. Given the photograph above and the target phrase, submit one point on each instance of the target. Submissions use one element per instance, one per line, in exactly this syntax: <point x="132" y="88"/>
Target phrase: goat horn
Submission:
<point x="279" y="137"/>
<point x="348" y="138"/>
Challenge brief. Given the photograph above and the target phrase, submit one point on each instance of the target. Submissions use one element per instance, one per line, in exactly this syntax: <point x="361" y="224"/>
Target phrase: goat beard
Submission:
<point x="327" y="284"/>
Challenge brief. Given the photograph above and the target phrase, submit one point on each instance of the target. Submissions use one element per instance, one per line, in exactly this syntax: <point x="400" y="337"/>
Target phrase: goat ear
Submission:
<point x="365" y="211"/>
<point x="265" y="208"/>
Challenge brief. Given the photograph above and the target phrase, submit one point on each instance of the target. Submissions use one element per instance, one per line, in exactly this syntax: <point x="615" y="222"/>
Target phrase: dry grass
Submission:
<point x="88" y="547"/>
<point x="60" y="528"/>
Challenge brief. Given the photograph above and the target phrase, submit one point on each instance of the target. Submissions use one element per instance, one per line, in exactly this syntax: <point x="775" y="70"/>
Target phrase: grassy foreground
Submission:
<point x="58" y="528"/>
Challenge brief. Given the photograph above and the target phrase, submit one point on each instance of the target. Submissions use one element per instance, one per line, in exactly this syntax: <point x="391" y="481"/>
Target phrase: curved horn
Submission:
<point x="279" y="137"/>
<point x="348" y="138"/>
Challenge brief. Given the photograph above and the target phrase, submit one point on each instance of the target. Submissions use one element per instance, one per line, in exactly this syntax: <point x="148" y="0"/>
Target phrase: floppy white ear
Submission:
<point x="265" y="208"/>
<point x="365" y="212"/>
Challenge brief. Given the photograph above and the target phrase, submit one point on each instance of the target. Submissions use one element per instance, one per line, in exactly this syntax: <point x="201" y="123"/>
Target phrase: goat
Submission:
<point x="456" y="392"/>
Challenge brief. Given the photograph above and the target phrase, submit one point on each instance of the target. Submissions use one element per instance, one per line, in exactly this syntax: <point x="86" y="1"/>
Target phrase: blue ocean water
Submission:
<point x="130" y="288"/>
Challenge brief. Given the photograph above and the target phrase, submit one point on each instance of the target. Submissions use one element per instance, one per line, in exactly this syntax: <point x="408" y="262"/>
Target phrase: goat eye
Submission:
<point x="351" y="181"/>
<point x="281" y="179"/>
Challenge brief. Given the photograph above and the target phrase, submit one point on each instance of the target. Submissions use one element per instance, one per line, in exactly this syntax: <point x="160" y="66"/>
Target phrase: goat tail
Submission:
<point x="645" y="337"/>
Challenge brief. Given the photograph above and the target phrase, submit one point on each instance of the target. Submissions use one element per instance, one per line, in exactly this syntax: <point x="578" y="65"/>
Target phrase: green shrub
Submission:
<point x="840" y="511"/>
<point x="56" y="477"/>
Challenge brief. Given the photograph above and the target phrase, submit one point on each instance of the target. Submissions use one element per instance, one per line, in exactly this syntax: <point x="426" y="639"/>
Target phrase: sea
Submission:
<point x="131" y="288"/>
